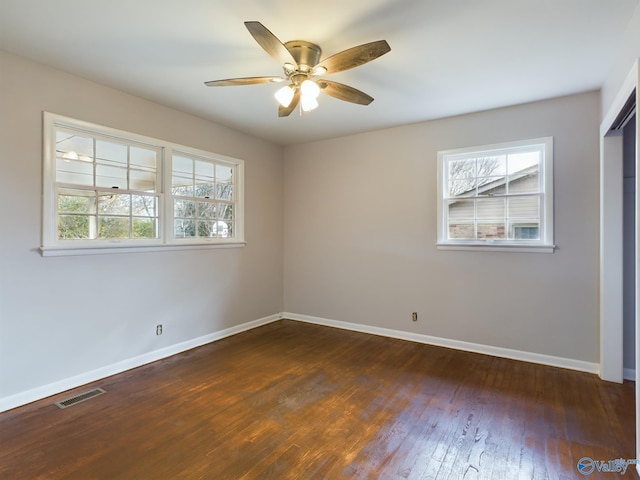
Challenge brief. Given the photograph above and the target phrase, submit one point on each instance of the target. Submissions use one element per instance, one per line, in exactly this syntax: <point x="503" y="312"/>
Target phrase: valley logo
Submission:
<point x="587" y="466"/>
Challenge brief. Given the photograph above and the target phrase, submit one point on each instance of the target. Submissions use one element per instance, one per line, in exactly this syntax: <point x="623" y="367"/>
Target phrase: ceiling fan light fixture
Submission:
<point x="308" y="103"/>
<point x="317" y="71"/>
<point x="310" y="89"/>
<point x="300" y="61"/>
<point x="284" y="96"/>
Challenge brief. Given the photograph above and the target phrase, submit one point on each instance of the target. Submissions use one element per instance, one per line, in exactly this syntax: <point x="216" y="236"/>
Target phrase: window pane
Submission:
<point x="491" y="229"/>
<point x="463" y="187"/>
<point x="204" y="180"/>
<point x="184" y="228"/>
<point x="76" y="172"/>
<point x="518" y="162"/>
<point x="490" y="208"/>
<point x="527" y="181"/>
<point x="204" y="190"/>
<point x="462" y="168"/>
<point x="464" y="230"/>
<point x="182" y="178"/>
<point x="224" y="182"/>
<point x="491" y="186"/>
<point x="526" y="231"/>
<point x="72" y="146"/>
<point x="216" y="229"/>
<point x="182" y="166"/>
<point x="184" y="208"/>
<point x="461" y="209"/>
<point x="113" y="227"/>
<point x="111" y="153"/>
<point x="144" y="228"/>
<point x="225" y="212"/>
<point x="224" y="191"/>
<point x="204" y="170"/>
<point x="76" y="219"/>
<point x="182" y="186"/>
<point x="142" y="180"/>
<point x="220" y="229"/>
<point x="143" y="159"/>
<point x="143" y="206"/>
<point x="76" y="201"/>
<point x="111" y="177"/>
<point x="114" y="204"/>
<point x="526" y="207"/>
<point x="111" y="164"/>
<point x="74" y="226"/>
<point x="207" y="210"/>
<point x="206" y="229"/>
<point x="224" y="174"/>
<point x="491" y="166"/>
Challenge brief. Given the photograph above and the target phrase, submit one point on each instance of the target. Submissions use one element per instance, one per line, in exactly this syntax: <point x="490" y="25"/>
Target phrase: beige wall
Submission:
<point x="62" y="317"/>
<point x="360" y="234"/>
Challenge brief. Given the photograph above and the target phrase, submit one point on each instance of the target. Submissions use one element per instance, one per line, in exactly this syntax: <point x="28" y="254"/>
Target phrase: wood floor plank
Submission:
<point x="291" y="400"/>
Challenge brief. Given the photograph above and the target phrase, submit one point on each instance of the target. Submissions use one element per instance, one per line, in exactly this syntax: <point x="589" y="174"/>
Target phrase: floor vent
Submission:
<point x="80" y="398"/>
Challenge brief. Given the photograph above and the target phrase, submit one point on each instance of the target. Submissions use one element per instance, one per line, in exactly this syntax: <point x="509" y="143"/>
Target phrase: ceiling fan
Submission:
<point x="302" y="69"/>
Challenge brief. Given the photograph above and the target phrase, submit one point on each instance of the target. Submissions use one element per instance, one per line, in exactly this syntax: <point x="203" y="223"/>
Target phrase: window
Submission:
<point x="203" y="205"/>
<point x="497" y="197"/>
<point x="105" y="189"/>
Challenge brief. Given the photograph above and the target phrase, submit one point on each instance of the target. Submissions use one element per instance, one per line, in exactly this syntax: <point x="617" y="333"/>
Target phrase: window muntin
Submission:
<point x="107" y="188"/>
<point x="497" y="195"/>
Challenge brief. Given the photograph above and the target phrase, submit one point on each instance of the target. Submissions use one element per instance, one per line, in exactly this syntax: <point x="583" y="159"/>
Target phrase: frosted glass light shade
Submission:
<point x="310" y="89"/>
<point x="308" y="103"/>
<point x="284" y="96"/>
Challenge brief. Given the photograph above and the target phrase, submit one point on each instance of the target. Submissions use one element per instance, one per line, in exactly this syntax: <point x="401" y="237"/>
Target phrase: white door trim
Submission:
<point x="611" y="242"/>
<point x="611" y="235"/>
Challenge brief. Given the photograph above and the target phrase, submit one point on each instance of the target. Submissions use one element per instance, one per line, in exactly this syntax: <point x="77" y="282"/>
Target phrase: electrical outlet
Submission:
<point x="159" y="329"/>
<point x="414" y="316"/>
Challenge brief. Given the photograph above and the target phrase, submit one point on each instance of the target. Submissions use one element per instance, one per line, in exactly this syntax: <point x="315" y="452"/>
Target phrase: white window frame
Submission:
<point x="545" y="243"/>
<point x="52" y="246"/>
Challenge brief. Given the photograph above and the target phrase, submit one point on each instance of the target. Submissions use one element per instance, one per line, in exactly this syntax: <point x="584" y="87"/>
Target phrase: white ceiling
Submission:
<point x="447" y="57"/>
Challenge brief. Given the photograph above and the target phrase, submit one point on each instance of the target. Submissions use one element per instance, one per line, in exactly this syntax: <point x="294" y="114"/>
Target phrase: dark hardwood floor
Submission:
<point x="291" y="400"/>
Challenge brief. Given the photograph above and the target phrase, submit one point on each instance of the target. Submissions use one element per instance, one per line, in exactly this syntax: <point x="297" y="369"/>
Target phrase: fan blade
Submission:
<point x="286" y="111"/>
<point x="344" y="92"/>
<point x="270" y="43"/>
<point x="243" y="81"/>
<point x="354" y="57"/>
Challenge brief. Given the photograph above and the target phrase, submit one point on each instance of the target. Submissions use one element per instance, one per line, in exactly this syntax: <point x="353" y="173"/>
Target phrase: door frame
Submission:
<point x="611" y="243"/>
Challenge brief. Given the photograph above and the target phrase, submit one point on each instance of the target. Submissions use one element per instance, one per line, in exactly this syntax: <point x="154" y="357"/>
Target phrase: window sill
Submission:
<point x="111" y="249"/>
<point x="497" y="247"/>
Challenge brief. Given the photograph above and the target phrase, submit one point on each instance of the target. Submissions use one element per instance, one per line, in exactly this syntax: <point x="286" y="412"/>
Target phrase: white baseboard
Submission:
<point x="531" y="357"/>
<point x="39" y="393"/>
<point x="629" y="374"/>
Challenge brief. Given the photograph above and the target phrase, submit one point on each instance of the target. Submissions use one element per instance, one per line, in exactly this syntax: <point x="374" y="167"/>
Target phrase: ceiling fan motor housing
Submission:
<point x="306" y="54"/>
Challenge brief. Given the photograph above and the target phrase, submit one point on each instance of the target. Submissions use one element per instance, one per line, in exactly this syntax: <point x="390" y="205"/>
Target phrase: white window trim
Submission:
<point x="52" y="246"/>
<point x="544" y="245"/>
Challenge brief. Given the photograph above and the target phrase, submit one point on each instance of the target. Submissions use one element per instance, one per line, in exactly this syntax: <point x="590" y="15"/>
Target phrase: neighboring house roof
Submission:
<point x="493" y="185"/>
